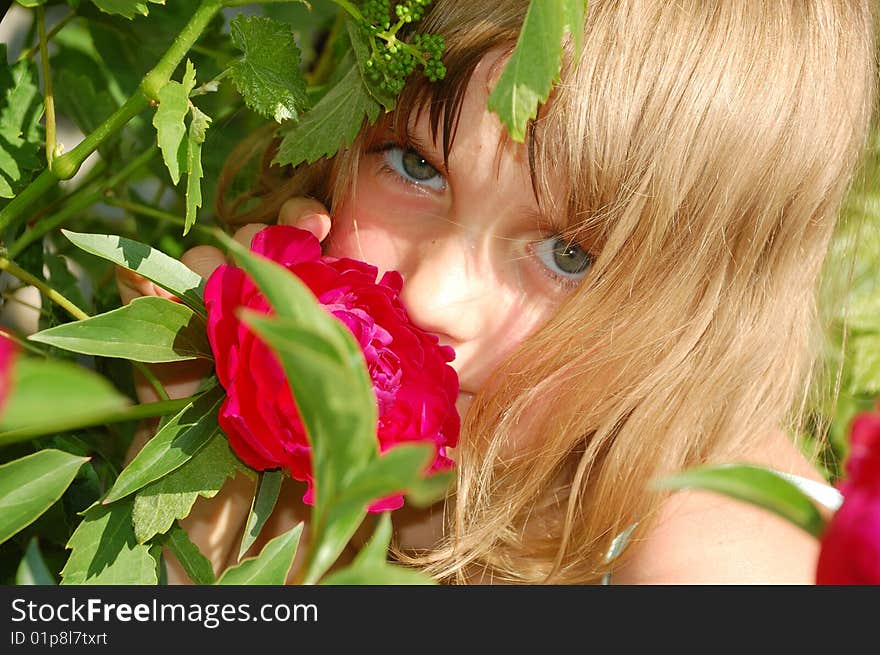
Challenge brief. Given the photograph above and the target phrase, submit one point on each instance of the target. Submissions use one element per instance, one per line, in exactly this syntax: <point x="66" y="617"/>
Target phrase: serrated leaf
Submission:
<point x="160" y="503"/>
<point x="21" y="135"/>
<point x="265" y="497"/>
<point x="148" y="329"/>
<point x="31" y="485"/>
<point x="125" y="8"/>
<point x="370" y="566"/>
<point x="270" y="567"/>
<point x="361" y="48"/>
<point x="78" y="395"/>
<point x="331" y="124"/>
<point x="268" y="75"/>
<point x="756" y="485"/>
<point x="169" y="119"/>
<point x="104" y="550"/>
<point x="197" y="128"/>
<point x="172" y="447"/>
<point x="196" y="565"/>
<point x="169" y="273"/>
<point x="534" y="65"/>
<point x="32" y="569"/>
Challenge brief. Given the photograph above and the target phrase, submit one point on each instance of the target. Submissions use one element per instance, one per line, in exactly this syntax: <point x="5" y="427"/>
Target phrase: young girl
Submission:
<point x="629" y="293"/>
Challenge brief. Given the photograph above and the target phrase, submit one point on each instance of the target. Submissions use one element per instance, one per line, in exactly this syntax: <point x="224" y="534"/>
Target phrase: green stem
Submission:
<point x="66" y="166"/>
<point x="158" y="214"/>
<point x="135" y="413"/>
<point x="353" y="11"/>
<point x="14" y="269"/>
<point x="29" y="54"/>
<point x="151" y="378"/>
<point x="48" y="98"/>
<point x="78" y="203"/>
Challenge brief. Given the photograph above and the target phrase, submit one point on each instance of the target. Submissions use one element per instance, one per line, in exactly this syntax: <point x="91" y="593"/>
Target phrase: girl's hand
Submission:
<point x="215" y="525"/>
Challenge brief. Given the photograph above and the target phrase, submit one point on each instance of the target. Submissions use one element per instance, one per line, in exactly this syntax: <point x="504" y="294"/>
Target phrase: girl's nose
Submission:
<point x="448" y="290"/>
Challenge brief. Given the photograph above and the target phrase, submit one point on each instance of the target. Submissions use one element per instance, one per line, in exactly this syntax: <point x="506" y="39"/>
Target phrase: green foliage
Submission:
<point x="21" y="107"/>
<point x="268" y="74"/>
<point x="534" y="65"/>
<point x="332" y="124"/>
<point x="169" y="119"/>
<point x="271" y="566"/>
<point x="197" y="129"/>
<point x="31" y="485"/>
<point x="78" y="397"/>
<point x="268" y="487"/>
<point x="756" y="485"/>
<point x="33" y="570"/>
<point x="196" y="565"/>
<point x="149" y="329"/>
<point x="160" y="503"/>
<point x="104" y="550"/>
<point x="167" y="272"/>
<point x="178" y="440"/>
<point x="126" y="8"/>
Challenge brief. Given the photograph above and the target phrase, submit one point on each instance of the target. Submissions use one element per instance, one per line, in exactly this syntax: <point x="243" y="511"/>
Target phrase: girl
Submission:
<point x="630" y="293"/>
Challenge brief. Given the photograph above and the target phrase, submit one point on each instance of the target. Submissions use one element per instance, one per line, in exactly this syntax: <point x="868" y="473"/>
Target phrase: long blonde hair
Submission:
<point x="707" y="147"/>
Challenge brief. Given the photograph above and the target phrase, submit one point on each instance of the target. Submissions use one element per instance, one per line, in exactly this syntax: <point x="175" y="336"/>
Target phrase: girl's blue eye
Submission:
<point x="564" y="258"/>
<point x="409" y="164"/>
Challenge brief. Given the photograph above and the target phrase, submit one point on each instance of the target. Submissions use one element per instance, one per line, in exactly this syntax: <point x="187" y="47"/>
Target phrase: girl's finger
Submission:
<point x="306" y="214"/>
<point x="203" y="260"/>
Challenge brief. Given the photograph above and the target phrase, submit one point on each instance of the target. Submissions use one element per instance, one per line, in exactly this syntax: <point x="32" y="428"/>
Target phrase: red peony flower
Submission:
<point x="8" y="349"/>
<point x="415" y="387"/>
<point x="850" y="552"/>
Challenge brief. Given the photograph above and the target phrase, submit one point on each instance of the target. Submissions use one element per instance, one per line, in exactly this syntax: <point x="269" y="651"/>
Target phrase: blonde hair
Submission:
<point x="706" y="148"/>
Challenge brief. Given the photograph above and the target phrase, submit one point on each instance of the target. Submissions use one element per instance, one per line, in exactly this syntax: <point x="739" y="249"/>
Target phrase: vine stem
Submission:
<point x="48" y="98"/>
<point x="77" y="203"/>
<point x="158" y="214"/>
<point x="29" y="54"/>
<point x="14" y="269"/>
<point x="66" y="166"/>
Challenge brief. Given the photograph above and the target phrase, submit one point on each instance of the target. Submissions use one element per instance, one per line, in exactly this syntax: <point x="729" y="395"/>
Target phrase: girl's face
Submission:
<point x="482" y="268"/>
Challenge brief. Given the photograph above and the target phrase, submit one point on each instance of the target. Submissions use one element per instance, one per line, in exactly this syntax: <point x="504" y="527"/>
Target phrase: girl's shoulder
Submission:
<point x="704" y="538"/>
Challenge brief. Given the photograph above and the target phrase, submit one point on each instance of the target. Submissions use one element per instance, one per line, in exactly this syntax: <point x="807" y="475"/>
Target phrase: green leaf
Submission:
<point x="172" y="447"/>
<point x="756" y="485"/>
<point x="31" y="485"/>
<point x="167" y="272"/>
<point x="361" y="47"/>
<point x="171" y="497"/>
<point x="76" y="395"/>
<point x="169" y="119"/>
<point x="534" y="65"/>
<point x="21" y="136"/>
<point x="104" y="550"/>
<point x="371" y="567"/>
<point x="62" y="280"/>
<point x="265" y="497"/>
<point x="268" y="75"/>
<point x="125" y="8"/>
<point x="331" y="124"/>
<point x="270" y="567"/>
<point x="32" y="569"/>
<point x="197" y="129"/>
<point x="76" y="96"/>
<point x="148" y="329"/>
<point x="196" y="565"/>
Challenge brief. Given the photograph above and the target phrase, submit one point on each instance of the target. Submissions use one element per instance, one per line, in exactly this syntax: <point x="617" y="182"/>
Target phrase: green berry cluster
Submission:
<point x="392" y="60"/>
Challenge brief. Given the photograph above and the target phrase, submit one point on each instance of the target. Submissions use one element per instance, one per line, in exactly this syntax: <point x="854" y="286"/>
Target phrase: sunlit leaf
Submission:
<point x="756" y="485"/>
<point x="268" y="75"/>
<point x="32" y="569"/>
<point x="270" y="567"/>
<point x="31" y="485"/>
<point x="196" y="565"/>
<point x="534" y="65"/>
<point x="179" y="439"/>
<point x="197" y="128"/>
<point x="169" y="119"/>
<point x="148" y="329"/>
<point x="268" y="487"/>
